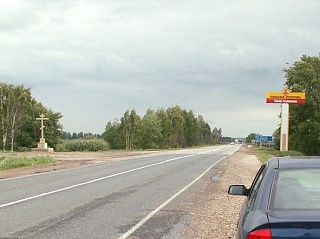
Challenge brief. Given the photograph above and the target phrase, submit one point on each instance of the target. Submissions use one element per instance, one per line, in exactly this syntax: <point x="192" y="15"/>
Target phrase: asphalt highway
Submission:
<point x="143" y="197"/>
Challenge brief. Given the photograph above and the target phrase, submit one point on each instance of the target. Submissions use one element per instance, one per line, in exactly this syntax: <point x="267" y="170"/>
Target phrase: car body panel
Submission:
<point x="259" y="210"/>
<point x="255" y="219"/>
<point x="284" y="224"/>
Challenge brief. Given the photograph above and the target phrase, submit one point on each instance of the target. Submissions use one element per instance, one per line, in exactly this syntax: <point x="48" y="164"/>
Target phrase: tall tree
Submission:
<point x="130" y="123"/>
<point x="192" y="129"/>
<point x="126" y="128"/>
<point x="4" y="91"/>
<point x="250" y="138"/>
<point x="113" y="135"/>
<point x="276" y="138"/>
<point x="177" y="121"/>
<point x="150" y="130"/>
<point x="216" y="134"/>
<point x="304" y="76"/>
<point x="135" y="124"/>
<point x="166" y="128"/>
<point x="205" y="131"/>
<point x="15" y="103"/>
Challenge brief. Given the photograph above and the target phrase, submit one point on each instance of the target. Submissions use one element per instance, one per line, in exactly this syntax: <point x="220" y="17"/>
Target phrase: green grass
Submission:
<point x="264" y="153"/>
<point x="18" y="162"/>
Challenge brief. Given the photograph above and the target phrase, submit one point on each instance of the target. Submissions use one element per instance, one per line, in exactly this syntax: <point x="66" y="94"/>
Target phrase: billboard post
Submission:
<point x="285" y="98"/>
<point x="284" y="130"/>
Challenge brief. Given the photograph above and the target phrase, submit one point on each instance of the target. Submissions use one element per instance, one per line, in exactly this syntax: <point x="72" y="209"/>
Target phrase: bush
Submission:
<point x="77" y="145"/>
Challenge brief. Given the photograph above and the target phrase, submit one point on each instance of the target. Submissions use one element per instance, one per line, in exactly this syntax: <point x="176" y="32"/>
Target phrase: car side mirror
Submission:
<point x="238" y="190"/>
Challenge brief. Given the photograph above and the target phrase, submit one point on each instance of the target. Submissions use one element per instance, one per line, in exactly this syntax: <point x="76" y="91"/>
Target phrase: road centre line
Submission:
<point x="155" y="211"/>
<point x="92" y="181"/>
<point x="61" y="170"/>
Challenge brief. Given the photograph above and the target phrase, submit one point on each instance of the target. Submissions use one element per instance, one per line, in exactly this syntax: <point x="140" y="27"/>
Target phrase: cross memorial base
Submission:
<point x="43" y="147"/>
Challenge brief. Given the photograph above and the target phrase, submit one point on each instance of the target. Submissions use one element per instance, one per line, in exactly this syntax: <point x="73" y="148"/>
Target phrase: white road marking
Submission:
<point x="113" y="175"/>
<point x="151" y="214"/>
<point x="92" y="181"/>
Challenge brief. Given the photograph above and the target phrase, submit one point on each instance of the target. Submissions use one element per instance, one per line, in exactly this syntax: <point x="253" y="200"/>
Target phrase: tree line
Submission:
<point x="18" y="112"/>
<point x="170" y="128"/>
<point x="160" y="129"/>
<point x="81" y="135"/>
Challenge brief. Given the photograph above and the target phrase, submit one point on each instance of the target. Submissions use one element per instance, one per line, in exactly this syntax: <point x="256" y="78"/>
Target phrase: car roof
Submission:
<point x="294" y="162"/>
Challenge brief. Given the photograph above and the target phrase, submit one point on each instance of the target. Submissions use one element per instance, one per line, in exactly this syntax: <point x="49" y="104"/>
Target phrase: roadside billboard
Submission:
<point x="283" y="97"/>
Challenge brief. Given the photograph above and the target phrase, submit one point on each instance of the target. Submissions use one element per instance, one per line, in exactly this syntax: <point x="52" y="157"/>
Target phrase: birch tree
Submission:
<point x="178" y="122"/>
<point x="15" y="102"/>
<point x="150" y="134"/>
<point x="130" y="123"/>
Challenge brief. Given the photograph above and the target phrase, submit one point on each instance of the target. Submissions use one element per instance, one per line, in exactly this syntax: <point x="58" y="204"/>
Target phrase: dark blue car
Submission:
<point x="283" y="200"/>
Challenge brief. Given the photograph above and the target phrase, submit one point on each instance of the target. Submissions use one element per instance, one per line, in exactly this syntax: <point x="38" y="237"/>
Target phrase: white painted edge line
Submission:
<point x="152" y="213"/>
<point x="92" y="181"/>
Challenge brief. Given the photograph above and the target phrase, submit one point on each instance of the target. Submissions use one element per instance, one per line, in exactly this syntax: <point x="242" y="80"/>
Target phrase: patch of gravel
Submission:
<point x="216" y="213"/>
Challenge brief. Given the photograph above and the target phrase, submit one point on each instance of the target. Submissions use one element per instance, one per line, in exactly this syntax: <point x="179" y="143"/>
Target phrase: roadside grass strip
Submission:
<point x="13" y="162"/>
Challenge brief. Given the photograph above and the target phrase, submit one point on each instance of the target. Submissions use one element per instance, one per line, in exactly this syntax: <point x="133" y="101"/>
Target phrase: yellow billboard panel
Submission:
<point x="291" y="97"/>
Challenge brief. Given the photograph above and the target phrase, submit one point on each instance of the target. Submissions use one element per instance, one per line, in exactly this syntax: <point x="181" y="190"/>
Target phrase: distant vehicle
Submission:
<point x="283" y="200"/>
<point x="238" y="141"/>
<point x="232" y="143"/>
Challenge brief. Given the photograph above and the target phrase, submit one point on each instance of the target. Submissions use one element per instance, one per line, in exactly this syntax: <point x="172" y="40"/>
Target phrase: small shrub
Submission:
<point x="77" y="145"/>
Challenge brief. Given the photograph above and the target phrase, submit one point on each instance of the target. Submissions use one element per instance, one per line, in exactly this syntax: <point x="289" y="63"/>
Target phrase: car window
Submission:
<point x="255" y="186"/>
<point x="296" y="189"/>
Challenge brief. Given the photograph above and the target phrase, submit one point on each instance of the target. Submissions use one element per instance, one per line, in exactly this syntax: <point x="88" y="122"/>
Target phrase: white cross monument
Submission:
<point x="42" y="145"/>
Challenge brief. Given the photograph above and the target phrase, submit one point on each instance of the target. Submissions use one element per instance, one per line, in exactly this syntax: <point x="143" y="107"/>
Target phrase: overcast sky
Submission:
<point x="93" y="60"/>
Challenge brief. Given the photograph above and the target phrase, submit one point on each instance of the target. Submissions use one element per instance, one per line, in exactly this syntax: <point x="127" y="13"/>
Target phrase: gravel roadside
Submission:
<point x="215" y="214"/>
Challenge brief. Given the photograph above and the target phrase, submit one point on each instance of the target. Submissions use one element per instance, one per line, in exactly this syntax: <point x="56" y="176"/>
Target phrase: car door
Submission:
<point x="245" y="220"/>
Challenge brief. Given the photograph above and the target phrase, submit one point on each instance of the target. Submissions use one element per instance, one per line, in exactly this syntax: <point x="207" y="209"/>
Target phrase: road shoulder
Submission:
<point x="215" y="213"/>
<point x="66" y="160"/>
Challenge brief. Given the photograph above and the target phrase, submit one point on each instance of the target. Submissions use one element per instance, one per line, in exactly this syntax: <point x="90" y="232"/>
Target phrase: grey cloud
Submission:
<point x="217" y="58"/>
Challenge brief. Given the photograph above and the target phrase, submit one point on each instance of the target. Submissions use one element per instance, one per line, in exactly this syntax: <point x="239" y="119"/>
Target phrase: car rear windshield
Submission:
<point x="296" y="189"/>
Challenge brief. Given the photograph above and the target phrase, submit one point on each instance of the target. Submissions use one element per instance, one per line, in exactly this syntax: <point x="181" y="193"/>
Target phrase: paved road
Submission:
<point x="144" y="197"/>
